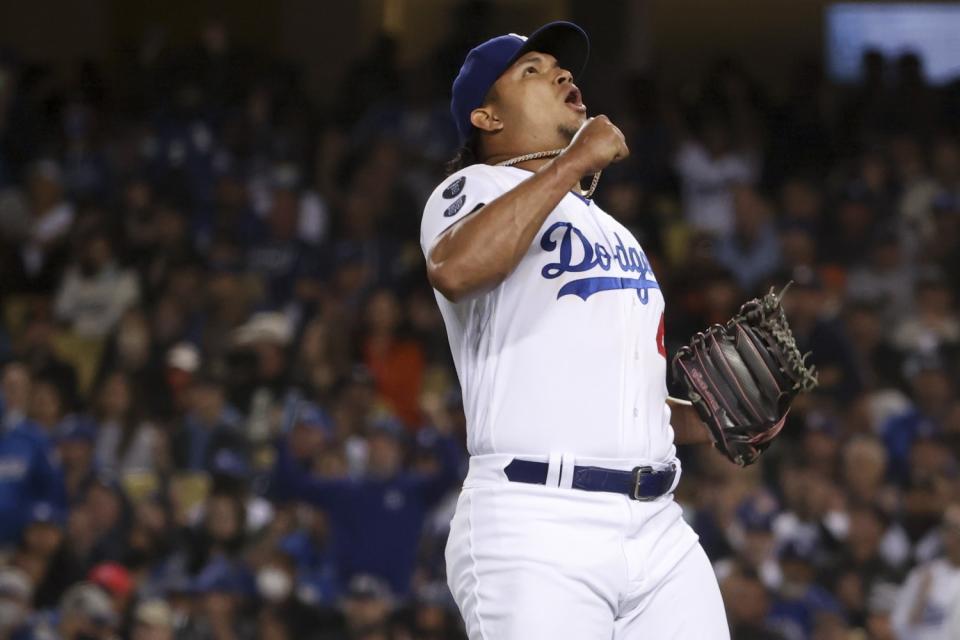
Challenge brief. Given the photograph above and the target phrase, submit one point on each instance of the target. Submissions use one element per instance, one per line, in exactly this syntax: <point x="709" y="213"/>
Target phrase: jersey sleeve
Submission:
<point x="457" y="197"/>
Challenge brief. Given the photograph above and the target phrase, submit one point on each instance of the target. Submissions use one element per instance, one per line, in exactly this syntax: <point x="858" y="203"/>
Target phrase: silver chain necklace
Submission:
<point x="536" y="155"/>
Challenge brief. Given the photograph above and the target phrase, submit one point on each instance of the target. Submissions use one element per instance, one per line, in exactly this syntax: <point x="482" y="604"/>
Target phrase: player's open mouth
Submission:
<point x="575" y="101"/>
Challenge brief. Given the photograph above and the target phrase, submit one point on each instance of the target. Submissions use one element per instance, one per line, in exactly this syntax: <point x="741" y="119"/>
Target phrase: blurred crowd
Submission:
<point x="228" y="408"/>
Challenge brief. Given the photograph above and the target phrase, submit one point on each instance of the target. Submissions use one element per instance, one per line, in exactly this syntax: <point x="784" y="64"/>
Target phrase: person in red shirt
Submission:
<point x="396" y="363"/>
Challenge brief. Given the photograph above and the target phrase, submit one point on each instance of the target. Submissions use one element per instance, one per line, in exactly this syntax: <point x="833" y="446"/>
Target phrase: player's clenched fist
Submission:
<point x="598" y="143"/>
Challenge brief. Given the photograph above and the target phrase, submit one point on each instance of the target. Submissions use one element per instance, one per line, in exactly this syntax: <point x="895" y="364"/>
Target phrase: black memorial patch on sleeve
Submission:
<point x="454" y="188"/>
<point x="455" y="206"/>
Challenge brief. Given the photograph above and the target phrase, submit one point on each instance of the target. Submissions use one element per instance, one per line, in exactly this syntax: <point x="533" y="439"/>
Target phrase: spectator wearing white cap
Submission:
<point x="152" y="620"/>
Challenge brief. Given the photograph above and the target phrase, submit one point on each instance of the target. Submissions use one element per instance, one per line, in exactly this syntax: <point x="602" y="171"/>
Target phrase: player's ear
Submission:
<point x="485" y="118"/>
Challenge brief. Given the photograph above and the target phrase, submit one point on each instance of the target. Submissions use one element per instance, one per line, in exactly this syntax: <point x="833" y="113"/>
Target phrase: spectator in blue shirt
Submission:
<point x="41" y="553"/>
<point x="751" y="251"/>
<point x="75" y="445"/>
<point x="28" y="475"/>
<point x="285" y="611"/>
<point x="309" y="548"/>
<point x="220" y="590"/>
<point x="281" y="257"/>
<point x="211" y="425"/>
<point x="800" y="599"/>
<point x="932" y="392"/>
<point x="378" y="517"/>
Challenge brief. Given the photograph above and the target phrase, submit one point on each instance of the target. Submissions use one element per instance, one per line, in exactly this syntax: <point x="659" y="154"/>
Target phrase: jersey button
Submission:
<point x="636" y="412"/>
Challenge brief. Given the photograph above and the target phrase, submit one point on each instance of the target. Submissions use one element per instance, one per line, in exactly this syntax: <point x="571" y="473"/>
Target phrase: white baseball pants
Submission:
<point x="530" y="562"/>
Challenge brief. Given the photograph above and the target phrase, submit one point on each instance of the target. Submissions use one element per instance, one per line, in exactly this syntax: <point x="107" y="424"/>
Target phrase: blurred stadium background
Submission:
<point x="209" y="219"/>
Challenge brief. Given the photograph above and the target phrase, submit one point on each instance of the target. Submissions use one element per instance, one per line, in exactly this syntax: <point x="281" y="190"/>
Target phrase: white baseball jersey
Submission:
<point x="566" y="354"/>
<point x="927" y="605"/>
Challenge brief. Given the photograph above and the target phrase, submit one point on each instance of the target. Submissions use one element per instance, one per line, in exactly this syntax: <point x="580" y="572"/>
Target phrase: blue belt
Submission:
<point x="642" y="483"/>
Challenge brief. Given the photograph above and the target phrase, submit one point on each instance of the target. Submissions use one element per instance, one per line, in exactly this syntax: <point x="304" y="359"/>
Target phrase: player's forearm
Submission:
<point x="688" y="428"/>
<point x="480" y="252"/>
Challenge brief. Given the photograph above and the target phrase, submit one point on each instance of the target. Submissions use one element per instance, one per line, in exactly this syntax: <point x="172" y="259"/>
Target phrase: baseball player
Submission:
<point x="566" y="526"/>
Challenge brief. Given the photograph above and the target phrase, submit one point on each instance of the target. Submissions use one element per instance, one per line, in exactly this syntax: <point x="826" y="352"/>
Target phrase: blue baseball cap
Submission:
<point x="311" y="415"/>
<point x="223" y="576"/>
<point x="230" y="464"/>
<point x="756" y="518"/>
<point x="486" y="62"/>
<point x="47" y="513"/>
<point x="77" y="428"/>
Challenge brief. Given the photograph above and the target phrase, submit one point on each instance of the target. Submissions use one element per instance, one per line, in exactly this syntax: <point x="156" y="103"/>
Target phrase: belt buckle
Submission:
<point x="639" y="472"/>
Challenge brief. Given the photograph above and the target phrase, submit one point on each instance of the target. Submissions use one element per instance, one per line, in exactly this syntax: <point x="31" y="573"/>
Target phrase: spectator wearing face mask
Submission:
<point x="283" y="613"/>
<point x="310" y="548"/>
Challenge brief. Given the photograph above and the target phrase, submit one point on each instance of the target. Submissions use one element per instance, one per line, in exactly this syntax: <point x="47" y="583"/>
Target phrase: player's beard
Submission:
<point x="567" y="132"/>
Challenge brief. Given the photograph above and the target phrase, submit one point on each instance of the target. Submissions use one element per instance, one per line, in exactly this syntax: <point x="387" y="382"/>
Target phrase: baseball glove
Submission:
<point x="742" y="377"/>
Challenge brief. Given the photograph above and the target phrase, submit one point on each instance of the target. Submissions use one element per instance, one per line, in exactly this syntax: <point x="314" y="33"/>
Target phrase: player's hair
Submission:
<point x="467" y="155"/>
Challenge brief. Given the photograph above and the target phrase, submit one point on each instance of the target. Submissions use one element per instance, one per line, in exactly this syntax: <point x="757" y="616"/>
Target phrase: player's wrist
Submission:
<point x="571" y="167"/>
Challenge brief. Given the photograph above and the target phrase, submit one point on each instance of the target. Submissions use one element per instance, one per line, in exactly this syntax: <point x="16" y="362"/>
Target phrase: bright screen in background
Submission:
<point x="931" y="30"/>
